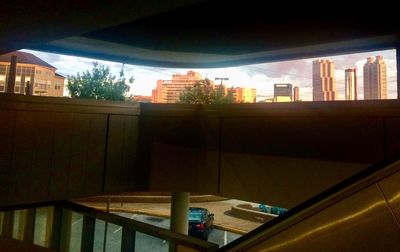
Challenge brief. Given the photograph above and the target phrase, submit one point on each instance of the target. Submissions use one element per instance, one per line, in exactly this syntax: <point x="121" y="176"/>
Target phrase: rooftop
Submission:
<point x="25" y="58"/>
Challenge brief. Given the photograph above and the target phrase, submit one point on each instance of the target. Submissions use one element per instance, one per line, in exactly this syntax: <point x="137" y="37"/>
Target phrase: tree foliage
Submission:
<point x="98" y="84"/>
<point x="203" y="92"/>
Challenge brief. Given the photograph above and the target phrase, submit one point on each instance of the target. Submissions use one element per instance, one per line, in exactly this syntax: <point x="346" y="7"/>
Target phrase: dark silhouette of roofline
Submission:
<point x="25" y="58"/>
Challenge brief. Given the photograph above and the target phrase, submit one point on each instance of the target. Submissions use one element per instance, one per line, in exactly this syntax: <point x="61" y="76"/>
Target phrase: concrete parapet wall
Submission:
<point x="149" y="198"/>
<point x="246" y="211"/>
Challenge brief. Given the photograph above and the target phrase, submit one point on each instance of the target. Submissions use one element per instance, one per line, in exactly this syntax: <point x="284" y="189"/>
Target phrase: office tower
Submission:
<point x="168" y="91"/>
<point x="296" y="94"/>
<point x="283" y="92"/>
<point x="248" y="95"/>
<point x="351" y="84"/>
<point x="42" y="76"/>
<point x="324" y="84"/>
<point x="375" y="79"/>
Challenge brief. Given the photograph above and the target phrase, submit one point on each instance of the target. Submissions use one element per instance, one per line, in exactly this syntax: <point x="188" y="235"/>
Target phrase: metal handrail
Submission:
<point x="316" y="204"/>
<point x="170" y="236"/>
<point x="141" y="227"/>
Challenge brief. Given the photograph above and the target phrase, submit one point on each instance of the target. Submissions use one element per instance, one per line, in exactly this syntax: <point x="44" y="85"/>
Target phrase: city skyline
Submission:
<point x="259" y="76"/>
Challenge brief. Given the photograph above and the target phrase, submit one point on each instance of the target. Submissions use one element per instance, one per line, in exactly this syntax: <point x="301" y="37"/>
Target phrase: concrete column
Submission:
<point x="11" y="75"/>
<point x="180" y="212"/>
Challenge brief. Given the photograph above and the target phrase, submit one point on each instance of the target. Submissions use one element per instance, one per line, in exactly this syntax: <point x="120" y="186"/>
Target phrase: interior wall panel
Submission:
<point x="115" y="154"/>
<point x="62" y="147"/>
<point x="392" y="137"/>
<point x="279" y="181"/>
<point x="178" y="153"/>
<point x="78" y="155"/>
<point x="94" y="174"/>
<point x="269" y="159"/>
<point x="130" y="145"/>
<point x="24" y="141"/>
<point x="42" y="155"/>
<point x="7" y="128"/>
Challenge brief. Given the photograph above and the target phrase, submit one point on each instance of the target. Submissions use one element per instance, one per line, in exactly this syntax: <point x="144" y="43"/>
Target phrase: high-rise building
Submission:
<point x="248" y="95"/>
<point x="324" y="84"/>
<point x="242" y="94"/>
<point x="283" y="92"/>
<point x="168" y="91"/>
<point x="42" y="76"/>
<point x="375" y="79"/>
<point x="351" y="84"/>
<point x="296" y="94"/>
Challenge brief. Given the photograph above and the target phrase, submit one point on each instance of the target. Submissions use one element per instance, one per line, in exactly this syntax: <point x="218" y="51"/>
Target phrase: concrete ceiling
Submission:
<point x="198" y="33"/>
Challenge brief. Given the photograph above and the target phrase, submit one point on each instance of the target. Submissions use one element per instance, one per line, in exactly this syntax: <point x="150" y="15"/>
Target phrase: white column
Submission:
<point x="180" y="212"/>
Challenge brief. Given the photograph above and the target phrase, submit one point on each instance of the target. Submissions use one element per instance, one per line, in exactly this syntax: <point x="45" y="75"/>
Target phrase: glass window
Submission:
<point x="195" y="216"/>
<point x="144" y="242"/>
<point x="19" y="224"/>
<point x="3" y="69"/>
<point x="72" y="230"/>
<point x="1" y="222"/>
<point x="99" y="231"/>
<point x="114" y="236"/>
<point x="43" y="226"/>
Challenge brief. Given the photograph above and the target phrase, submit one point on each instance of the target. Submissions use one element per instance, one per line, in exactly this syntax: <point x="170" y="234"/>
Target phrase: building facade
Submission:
<point x="375" y="79"/>
<point x="350" y="84"/>
<point x="243" y="95"/>
<point x="168" y="91"/>
<point x="41" y="76"/>
<point x="324" y="83"/>
<point x="283" y="92"/>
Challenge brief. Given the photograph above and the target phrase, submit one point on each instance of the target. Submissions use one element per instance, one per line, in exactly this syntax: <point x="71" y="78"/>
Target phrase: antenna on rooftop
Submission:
<point x="221" y="79"/>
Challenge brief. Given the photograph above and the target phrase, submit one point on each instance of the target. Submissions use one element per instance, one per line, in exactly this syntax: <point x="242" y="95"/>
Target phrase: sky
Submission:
<point x="259" y="76"/>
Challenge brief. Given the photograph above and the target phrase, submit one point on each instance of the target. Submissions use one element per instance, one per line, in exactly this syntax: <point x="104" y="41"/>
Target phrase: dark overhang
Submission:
<point x="202" y="33"/>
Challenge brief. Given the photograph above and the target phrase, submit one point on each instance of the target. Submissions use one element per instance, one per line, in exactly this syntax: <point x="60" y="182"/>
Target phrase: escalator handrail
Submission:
<point x="316" y="203"/>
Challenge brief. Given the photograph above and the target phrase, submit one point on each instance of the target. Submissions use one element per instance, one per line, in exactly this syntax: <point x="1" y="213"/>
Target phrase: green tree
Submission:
<point x="203" y="92"/>
<point x="98" y="84"/>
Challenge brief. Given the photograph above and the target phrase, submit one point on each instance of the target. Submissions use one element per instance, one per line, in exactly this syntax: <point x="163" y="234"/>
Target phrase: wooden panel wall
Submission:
<point x="284" y="161"/>
<point x="178" y="153"/>
<point x="56" y="148"/>
<point x="121" y="154"/>
<point x="274" y="157"/>
<point x="7" y="129"/>
<point x="54" y="155"/>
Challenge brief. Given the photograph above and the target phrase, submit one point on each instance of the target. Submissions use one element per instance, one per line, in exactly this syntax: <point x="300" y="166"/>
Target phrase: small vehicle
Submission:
<point x="272" y="209"/>
<point x="200" y="222"/>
